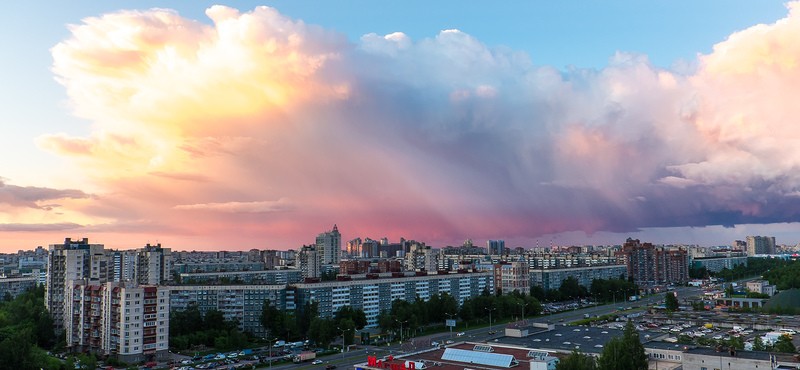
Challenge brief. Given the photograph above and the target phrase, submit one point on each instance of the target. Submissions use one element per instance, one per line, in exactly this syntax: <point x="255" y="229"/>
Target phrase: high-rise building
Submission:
<point x="329" y="246"/>
<point x="421" y="258"/>
<point x="354" y="248"/>
<point x="650" y="265"/>
<point x="153" y="265"/>
<point x="79" y="260"/>
<point x="496" y="247"/>
<point x="307" y="261"/>
<point x="511" y="276"/>
<point x="123" y="320"/>
<point x="73" y="260"/>
<point x="760" y="245"/>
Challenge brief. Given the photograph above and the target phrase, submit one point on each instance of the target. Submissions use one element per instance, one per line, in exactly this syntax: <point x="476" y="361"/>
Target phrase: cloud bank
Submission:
<point x="210" y="129"/>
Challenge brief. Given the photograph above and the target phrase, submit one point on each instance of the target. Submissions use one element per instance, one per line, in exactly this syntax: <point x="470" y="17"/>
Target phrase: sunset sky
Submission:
<point x="260" y="124"/>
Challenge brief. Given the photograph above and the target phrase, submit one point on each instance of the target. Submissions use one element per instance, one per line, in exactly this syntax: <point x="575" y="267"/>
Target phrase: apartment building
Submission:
<point x="551" y="278"/>
<point x="716" y="264"/>
<point x="267" y="277"/>
<point x="511" y="276"/>
<point x="126" y="321"/>
<point x="329" y="246"/>
<point x="243" y="303"/>
<point x="650" y="265"/>
<point x="14" y="286"/>
<point x="79" y="260"/>
<point x="73" y="260"/>
<point x="376" y="294"/>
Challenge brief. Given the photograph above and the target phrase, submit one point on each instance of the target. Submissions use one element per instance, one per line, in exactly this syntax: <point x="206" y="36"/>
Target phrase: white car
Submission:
<point x="316" y="362"/>
<point x="460" y="334"/>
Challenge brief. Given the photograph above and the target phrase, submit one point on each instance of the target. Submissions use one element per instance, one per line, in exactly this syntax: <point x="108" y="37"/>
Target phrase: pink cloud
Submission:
<point x="440" y="139"/>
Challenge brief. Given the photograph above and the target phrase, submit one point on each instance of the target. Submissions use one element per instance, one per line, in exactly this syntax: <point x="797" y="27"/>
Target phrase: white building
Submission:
<point x="122" y="320"/>
<point x="761" y="286"/>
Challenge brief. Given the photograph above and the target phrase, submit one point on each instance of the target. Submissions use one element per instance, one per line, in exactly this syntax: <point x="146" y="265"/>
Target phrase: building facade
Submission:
<point x="512" y="276"/>
<point x="73" y="260"/>
<point x="307" y="261"/>
<point x="552" y="278"/>
<point x="242" y="303"/>
<point x="329" y="246"/>
<point x="760" y="245"/>
<point x="121" y="320"/>
<point x="652" y="266"/>
<point x="377" y="294"/>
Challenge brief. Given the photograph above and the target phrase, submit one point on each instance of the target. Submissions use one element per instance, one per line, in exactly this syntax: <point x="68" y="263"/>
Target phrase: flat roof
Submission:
<point x="564" y="339"/>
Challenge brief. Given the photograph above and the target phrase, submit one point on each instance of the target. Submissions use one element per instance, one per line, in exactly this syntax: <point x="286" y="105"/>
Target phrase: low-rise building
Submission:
<point x="761" y="287"/>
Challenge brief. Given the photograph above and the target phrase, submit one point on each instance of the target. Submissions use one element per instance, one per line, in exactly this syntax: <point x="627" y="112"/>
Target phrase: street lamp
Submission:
<point x="522" y="305"/>
<point x="401" y="328"/>
<point x="490" y="316"/>
<point x="343" y="341"/>
<point x="269" y="340"/>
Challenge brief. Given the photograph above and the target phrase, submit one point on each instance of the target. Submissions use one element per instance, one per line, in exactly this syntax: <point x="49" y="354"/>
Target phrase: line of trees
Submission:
<point x="413" y="316"/>
<point x="603" y="290"/>
<point x="305" y="323"/>
<point x="191" y="328"/>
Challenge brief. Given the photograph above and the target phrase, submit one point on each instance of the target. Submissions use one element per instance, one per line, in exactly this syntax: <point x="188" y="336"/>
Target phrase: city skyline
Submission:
<point x="242" y="126"/>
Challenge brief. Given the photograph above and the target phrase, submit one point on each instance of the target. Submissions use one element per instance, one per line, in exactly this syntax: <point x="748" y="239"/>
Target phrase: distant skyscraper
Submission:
<point x="760" y="245"/>
<point x="497" y="247"/>
<point x="329" y="246"/>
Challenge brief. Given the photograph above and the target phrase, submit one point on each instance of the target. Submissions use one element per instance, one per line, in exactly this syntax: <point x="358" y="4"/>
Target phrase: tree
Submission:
<point x="571" y="288"/>
<point x="272" y="319"/>
<point x="671" y="301"/>
<point x="577" y="361"/>
<point x="623" y="353"/>
<point x="758" y="344"/>
<point x="784" y="344"/>
<point x="321" y="331"/>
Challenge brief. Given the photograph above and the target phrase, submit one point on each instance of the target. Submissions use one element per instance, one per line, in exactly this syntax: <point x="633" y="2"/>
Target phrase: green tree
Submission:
<point x="321" y="331"/>
<point x="623" y="353"/>
<point x="784" y="344"/>
<point x="577" y="361"/>
<point x="272" y="319"/>
<point x="571" y="288"/>
<point x="758" y="344"/>
<point x="671" y="301"/>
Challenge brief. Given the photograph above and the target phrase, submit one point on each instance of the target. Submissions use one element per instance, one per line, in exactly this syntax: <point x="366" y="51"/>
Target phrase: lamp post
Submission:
<point x="522" y="305"/>
<point x="490" y="316"/>
<point x="269" y="340"/>
<point x="343" y="341"/>
<point x="401" y="328"/>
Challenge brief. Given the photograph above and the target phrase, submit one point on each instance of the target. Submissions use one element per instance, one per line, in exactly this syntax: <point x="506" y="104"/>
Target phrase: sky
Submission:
<point x="242" y="125"/>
